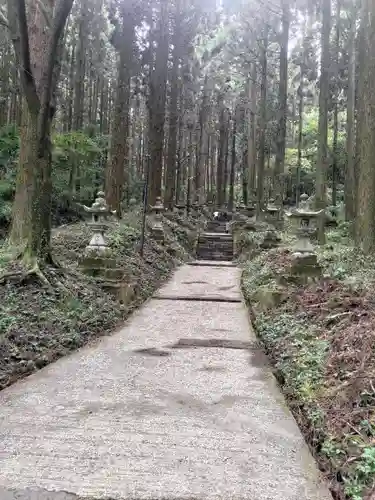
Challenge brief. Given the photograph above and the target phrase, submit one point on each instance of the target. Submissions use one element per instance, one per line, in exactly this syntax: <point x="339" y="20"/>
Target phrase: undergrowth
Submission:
<point x="321" y="340"/>
<point x="40" y="323"/>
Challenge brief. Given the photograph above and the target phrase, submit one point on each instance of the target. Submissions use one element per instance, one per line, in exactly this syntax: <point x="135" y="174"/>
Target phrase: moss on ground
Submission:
<point x="321" y="340"/>
<point x="39" y="324"/>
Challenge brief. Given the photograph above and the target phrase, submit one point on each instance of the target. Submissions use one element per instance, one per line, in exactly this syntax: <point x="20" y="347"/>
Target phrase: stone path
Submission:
<point x="133" y="417"/>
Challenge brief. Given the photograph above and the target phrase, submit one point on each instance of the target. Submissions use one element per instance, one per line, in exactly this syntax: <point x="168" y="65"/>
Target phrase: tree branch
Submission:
<point x="27" y="76"/>
<point x="48" y="82"/>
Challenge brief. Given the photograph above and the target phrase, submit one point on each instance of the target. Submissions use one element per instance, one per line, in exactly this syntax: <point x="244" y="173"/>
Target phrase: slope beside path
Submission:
<point x="178" y="404"/>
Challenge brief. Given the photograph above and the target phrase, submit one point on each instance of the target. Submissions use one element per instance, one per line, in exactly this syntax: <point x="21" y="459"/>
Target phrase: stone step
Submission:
<point x="216" y="236"/>
<point x="217" y="257"/>
<point x="216" y="226"/>
<point x="215" y="247"/>
<point x="211" y="263"/>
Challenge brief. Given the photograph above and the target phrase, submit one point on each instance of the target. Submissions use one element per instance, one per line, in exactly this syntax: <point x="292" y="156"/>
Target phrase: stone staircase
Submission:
<point x="215" y="226"/>
<point x="215" y="243"/>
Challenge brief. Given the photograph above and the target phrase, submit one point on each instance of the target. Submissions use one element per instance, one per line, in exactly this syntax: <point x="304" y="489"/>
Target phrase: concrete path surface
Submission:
<point x="220" y="283"/>
<point x="135" y="417"/>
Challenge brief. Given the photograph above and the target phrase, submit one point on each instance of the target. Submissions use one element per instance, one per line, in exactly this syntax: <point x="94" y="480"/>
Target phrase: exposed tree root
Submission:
<point x="33" y="268"/>
<point x="19" y="277"/>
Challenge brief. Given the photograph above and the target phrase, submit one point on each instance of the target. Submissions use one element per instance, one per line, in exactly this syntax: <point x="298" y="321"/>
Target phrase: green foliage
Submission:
<point x="124" y="236"/>
<point x="362" y="475"/>
<point x="309" y="155"/>
<point x="77" y="169"/>
<point x="9" y="146"/>
<point x="303" y="363"/>
<point x="257" y="274"/>
<point x="302" y="345"/>
<point x="78" y="165"/>
<point x="248" y="241"/>
<point x="342" y="261"/>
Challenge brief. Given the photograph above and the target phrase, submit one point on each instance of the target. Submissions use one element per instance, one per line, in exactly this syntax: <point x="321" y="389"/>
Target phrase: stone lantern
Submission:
<point x="251" y="204"/>
<point x="303" y="202"/>
<point x="241" y="208"/>
<point x="157" y="231"/>
<point x="305" y="261"/>
<point x="99" y="211"/>
<point x="181" y="208"/>
<point x="97" y="260"/>
<point x="272" y="213"/>
<point x="195" y="208"/>
<point x="132" y="203"/>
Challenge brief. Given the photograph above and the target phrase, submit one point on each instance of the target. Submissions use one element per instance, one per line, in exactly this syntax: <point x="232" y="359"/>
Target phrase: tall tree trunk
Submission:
<point x="213" y="165"/>
<point x="226" y="160"/>
<point x="300" y="136"/>
<point x="189" y="173"/>
<point x="170" y="186"/>
<point x="262" y="123"/>
<point x="79" y="77"/>
<point x="251" y="141"/>
<point x="180" y="152"/>
<point x="282" y="111"/>
<point x="203" y="142"/>
<point x="350" y="183"/>
<point x="233" y="162"/>
<point x="38" y="51"/>
<point x="220" y="179"/>
<point x="336" y="105"/>
<point x="24" y="181"/>
<point x="38" y="40"/>
<point x="157" y="101"/>
<point x="117" y="163"/>
<point x="366" y="186"/>
<point x="321" y="167"/>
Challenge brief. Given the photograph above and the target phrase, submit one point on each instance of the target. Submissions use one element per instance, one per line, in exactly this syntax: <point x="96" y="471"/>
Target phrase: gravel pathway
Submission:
<point x="178" y="404"/>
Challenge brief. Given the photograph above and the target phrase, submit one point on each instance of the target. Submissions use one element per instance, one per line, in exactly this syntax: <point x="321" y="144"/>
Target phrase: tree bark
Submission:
<point x="300" y="130"/>
<point x="117" y="162"/>
<point x="350" y="183"/>
<point x="322" y="162"/>
<point x="233" y="162"/>
<point x="170" y="187"/>
<point x="336" y="105"/>
<point x="38" y="50"/>
<point x="80" y="70"/>
<point x="157" y="101"/>
<point x="366" y="186"/>
<point x="220" y="179"/>
<point x="262" y="123"/>
<point x="252" y="147"/>
<point x="282" y="111"/>
<point x="203" y="143"/>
